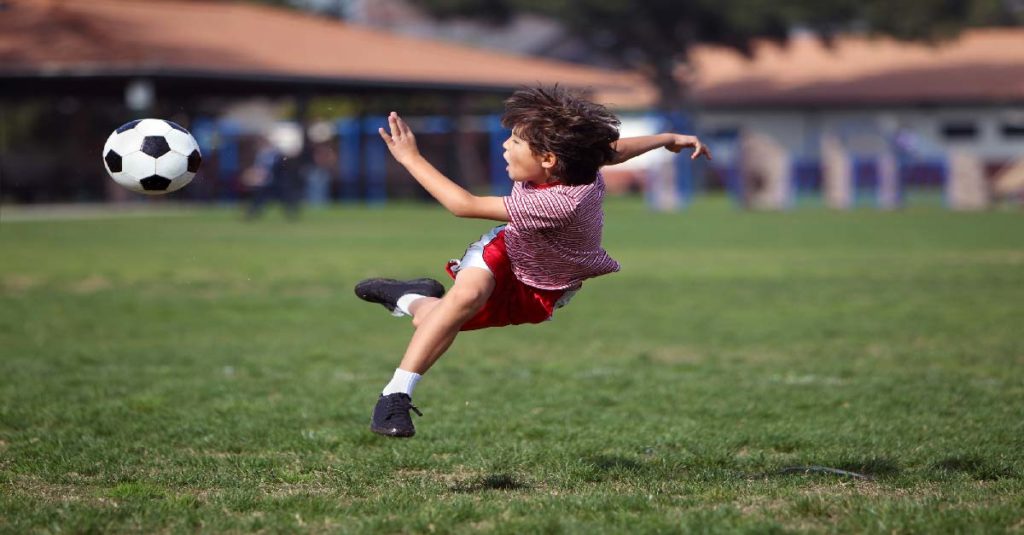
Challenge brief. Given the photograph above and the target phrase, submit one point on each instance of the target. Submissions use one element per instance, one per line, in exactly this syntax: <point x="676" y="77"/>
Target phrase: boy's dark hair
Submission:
<point x="578" y="132"/>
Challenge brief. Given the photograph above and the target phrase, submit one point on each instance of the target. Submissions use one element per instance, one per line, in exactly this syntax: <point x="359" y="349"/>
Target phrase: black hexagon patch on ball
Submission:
<point x="176" y="126"/>
<point x="113" y="160"/>
<point x="155" y="146"/>
<point x="155" y="183"/>
<point x="128" y="126"/>
<point x="194" y="160"/>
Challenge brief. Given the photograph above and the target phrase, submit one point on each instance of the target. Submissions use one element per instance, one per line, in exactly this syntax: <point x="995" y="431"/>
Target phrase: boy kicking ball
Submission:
<point x="549" y="241"/>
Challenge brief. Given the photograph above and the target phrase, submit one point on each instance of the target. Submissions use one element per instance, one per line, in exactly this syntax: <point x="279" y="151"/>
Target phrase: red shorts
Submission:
<point x="511" y="302"/>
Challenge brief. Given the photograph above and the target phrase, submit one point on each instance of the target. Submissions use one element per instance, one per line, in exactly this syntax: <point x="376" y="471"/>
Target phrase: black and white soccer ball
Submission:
<point x="151" y="156"/>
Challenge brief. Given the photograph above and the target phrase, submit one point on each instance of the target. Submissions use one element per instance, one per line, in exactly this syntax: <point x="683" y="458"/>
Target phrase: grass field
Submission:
<point x="191" y="372"/>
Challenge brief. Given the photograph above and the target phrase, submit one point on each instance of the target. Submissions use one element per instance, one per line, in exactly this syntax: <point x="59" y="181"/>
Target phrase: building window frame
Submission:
<point x="960" y="130"/>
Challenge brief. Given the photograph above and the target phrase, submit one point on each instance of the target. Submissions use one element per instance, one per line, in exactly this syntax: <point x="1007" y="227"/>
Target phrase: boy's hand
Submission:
<point x="400" y="141"/>
<point x="680" y="142"/>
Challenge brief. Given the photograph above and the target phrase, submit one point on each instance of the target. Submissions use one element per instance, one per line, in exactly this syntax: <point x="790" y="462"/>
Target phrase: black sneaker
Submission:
<point x="387" y="291"/>
<point x="391" y="416"/>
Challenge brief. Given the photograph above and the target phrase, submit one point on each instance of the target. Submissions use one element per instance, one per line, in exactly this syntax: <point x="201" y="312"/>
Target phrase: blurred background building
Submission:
<point x="910" y="106"/>
<point x="233" y="73"/>
<point x="796" y="116"/>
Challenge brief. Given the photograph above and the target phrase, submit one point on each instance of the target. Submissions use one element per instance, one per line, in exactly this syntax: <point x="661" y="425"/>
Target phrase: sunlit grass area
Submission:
<point x="190" y="371"/>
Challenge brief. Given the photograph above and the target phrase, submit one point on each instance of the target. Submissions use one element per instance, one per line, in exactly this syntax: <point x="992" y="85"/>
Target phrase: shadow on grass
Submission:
<point x="975" y="467"/>
<point x="507" y="482"/>
<point x="872" y="467"/>
<point x="617" y="463"/>
<point x="597" y="468"/>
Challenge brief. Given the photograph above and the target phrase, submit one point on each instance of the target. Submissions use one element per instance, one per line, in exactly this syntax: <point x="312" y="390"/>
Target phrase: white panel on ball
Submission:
<point x="125" y="143"/>
<point x="138" y="165"/>
<point x="125" y="180"/>
<point x="181" y="181"/>
<point x="171" y="165"/>
<point x="180" y="142"/>
<point x="152" y="127"/>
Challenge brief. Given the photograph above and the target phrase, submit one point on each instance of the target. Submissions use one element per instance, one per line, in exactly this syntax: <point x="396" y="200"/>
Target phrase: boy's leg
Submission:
<point x="442" y="319"/>
<point x="438" y="322"/>
<point x="421" y="308"/>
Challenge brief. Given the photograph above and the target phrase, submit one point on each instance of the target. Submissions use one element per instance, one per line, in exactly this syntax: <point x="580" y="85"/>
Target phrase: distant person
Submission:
<point x="548" y="244"/>
<point x="320" y="176"/>
<point x="273" y="175"/>
<point x="905" y="141"/>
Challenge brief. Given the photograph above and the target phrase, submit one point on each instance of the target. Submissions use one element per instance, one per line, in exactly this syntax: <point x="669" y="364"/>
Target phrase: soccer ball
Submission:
<point x="151" y="156"/>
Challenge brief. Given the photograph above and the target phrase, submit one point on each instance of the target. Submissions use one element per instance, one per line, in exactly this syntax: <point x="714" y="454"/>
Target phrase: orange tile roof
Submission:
<point x="103" y="36"/>
<point x="234" y="39"/>
<point x="981" y="65"/>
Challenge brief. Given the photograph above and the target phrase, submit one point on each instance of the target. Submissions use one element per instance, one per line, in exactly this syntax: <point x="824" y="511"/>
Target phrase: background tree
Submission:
<point x="653" y="37"/>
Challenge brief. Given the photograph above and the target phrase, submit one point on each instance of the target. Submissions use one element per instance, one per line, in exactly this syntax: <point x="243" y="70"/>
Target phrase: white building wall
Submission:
<point x="800" y="130"/>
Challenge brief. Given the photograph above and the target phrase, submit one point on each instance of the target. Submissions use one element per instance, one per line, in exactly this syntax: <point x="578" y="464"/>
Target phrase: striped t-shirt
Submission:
<point x="553" y="237"/>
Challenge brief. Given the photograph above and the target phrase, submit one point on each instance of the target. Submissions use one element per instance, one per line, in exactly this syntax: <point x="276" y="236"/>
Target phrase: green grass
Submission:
<point x="195" y="373"/>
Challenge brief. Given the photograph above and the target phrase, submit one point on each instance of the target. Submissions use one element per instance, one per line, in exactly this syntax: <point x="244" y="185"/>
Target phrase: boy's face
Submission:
<point x="523" y="164"/>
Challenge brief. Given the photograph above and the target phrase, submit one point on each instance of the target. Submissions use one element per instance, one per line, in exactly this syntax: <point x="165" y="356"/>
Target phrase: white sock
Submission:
<point x="403" y="303"/>
<point x="403" y="382"/>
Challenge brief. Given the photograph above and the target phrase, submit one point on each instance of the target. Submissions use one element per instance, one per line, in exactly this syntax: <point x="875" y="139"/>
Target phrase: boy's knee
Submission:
<point x="469" y="297"/>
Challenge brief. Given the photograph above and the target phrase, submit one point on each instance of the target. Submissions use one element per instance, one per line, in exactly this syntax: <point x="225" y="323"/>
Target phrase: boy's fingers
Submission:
<point x="700" y="149"/>
<point x="384" y="135"/>
<point x="393" y="124"/>
<point x="402" y="125"/>
<point x="398" y="126"/>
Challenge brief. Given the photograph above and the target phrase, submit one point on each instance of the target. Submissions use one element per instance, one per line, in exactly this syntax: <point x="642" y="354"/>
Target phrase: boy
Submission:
<point x="532" y="264"/>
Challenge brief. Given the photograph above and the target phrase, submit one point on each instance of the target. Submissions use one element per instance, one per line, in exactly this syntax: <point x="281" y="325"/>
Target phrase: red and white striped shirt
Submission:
<point x="553" y="237"/>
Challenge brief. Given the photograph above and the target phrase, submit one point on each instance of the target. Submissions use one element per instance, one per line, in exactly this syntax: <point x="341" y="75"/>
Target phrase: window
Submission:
<point x="1013" y="130"/>
<point x="960" y="131"/>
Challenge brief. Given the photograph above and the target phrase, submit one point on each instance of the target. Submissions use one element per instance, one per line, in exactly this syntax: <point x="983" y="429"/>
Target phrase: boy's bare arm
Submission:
<point x="631" y="147"/>
<point x="461" y="203"/>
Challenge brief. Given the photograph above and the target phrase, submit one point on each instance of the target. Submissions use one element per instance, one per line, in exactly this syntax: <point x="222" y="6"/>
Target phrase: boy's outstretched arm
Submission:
<point x="631" y="147"/>
<point x="461" y="203"/>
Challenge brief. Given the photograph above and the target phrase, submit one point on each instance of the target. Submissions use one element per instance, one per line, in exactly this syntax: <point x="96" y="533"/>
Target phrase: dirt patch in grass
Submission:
<point x="867" y="489"/>
<point x="90" y="285"/>
<point x="675" y="355"/>
<point x="484" y="526"/>
<point x="752" y="356"/>
<point x="287" y="490"/>
<point x="37" y="488"/>
<point x="818" y="506"/>
<point x="19" y="283"/>
<point x="784" y="499"/>
<point x="806" y="379"/>
<point x="761" y="505"/>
